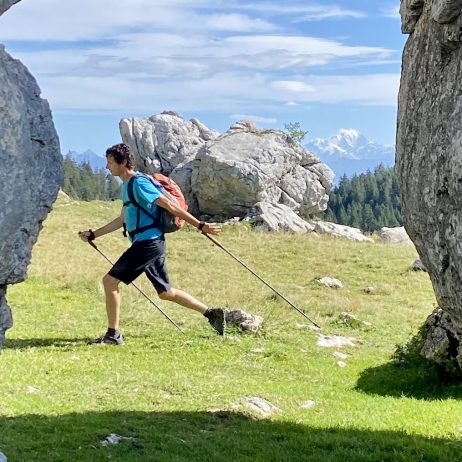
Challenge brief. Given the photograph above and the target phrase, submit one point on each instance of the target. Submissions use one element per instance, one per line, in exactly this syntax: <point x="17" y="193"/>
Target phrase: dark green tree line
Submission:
<point x="81" y="182"/>
<point x="367" y="201"/>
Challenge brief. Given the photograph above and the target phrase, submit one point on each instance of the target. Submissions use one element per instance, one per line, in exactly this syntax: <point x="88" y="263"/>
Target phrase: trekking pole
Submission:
<point x="137" y="288"/>
<point x="259" y="277"/>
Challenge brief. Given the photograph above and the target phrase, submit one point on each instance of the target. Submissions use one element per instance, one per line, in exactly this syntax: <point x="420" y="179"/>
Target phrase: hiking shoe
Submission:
<point x="107" y="339"/>
<point x="216" y="317"/>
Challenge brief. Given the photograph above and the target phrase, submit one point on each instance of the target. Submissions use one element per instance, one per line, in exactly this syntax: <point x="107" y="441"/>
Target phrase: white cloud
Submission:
<point x="238" y="23"/>
<point x="146" y="56"/>
<point x="392" y="12"/>
<point x="90" y="20"/>
<point x="230" y="93"/>
<point x="372" y="89"/>
<point x="292" y="86"/>
<point x="170" y="55"/>
<point x="305" y="10"/>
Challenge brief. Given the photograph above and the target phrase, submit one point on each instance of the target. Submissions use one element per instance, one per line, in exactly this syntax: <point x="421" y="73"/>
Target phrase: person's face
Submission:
<point x="113" y="166"/>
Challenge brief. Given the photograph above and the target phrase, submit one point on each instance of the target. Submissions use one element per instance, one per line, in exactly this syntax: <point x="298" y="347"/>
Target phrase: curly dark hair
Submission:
<point x="121" y="154"/>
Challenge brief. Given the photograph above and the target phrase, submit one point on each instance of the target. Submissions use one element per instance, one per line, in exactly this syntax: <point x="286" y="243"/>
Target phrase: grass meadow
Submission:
<point x="181" y="397"/>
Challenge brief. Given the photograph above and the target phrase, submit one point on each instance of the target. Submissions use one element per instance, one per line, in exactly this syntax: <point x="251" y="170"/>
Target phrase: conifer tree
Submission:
<point x="368" y="201"/>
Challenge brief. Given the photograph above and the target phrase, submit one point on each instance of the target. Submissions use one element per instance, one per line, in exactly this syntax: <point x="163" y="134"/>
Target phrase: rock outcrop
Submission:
<point x="5" y="4"/>
<point x="429" y="155"/>
<point x="395" y="235"/>
<point x="167" y="143"/>
<point x="245" y="173"/>
<point x="245" y="166"/>
<point x="336" y="230"/>
<point x="31" y="172"/>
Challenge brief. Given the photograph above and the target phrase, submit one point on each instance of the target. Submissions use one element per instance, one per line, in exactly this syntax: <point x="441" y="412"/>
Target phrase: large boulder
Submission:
<point x="5" y="4"/>
<point x="30" y="176"/>
<point x="348" y="232"/>
<point x="167" y="143"/>
<point x="429" y="154"/>
<point x="279" y="217"/>
<point x="246" y="166"/>
<point x="395" y="235"/>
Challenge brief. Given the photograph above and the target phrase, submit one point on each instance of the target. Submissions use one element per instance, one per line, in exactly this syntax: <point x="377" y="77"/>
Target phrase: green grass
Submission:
<point x="180" y="395"/>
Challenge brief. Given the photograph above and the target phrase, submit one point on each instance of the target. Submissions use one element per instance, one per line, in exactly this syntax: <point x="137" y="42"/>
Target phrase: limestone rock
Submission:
<point x="445" y="11"/>
<point x="245" y="166"/>
<point x="243" y="320"/>
<point x="410" y="11"/>
<point x="258" y="175"/>
<point x="309" y="404"/>
<point x="279" y="217"/>
<point x="5" y="4"/>
<point x="31" y="172"/>
<point x="333" y="229"/>
<point x="6" y="318"/>
<point x="429" y="148"/>
<point x="330" y="341"/>
<point x="395" y="235"/>
<point x="261" y="406"/>
<point x="443" y="341"/>
<point x="351" y="320"/>
<point x="331" y="282"/>
<point x="417" y="265"/>
<point x="165" y="141"/>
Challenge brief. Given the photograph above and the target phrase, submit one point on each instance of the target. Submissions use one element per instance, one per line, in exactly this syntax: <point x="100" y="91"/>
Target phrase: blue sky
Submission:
<point x="327" y="65"/>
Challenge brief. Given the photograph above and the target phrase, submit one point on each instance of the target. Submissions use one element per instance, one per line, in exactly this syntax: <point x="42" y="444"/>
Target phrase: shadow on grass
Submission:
<point x="25" y="343"/>
<point x="420" y="380"/>
<point x="206" y="437"/>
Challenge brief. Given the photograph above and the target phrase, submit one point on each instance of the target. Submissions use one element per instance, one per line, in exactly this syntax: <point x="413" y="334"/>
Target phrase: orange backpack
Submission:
<point x="163" y="220"/>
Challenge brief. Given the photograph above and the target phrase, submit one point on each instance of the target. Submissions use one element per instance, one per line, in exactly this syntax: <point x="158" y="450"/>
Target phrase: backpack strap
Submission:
<point x="132" y="200"/>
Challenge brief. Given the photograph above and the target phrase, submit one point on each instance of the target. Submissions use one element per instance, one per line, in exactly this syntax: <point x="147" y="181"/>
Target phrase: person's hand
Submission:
<point x="211" y="228"/>
<point x="87" y="236"/>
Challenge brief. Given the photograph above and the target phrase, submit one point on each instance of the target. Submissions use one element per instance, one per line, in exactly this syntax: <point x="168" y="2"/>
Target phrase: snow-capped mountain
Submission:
<point x="349" y="152"/>
<point x="96" y="161"/>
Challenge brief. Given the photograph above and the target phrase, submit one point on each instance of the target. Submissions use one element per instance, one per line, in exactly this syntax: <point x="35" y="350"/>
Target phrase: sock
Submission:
<point x="207" y="312"/>
<point x="112" y="332"/>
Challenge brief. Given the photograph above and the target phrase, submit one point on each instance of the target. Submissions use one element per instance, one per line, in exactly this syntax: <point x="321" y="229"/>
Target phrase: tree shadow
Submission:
<point x="206" y="436"/>
<point x="25" y="343"/>
<point x="419" y="379"/>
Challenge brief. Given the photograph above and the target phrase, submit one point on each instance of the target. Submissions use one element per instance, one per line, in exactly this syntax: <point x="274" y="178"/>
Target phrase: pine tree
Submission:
<point x="368" y="201"/>
<point x="81" y="182"/>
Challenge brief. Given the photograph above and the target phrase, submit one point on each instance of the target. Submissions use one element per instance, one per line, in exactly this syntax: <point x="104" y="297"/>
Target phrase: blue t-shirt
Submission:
<point x="145" y="194"/>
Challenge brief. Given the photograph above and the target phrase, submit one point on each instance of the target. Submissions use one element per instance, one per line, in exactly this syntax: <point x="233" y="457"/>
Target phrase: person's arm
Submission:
<point x="108" y="228"/>
<point x="174" y="209"/>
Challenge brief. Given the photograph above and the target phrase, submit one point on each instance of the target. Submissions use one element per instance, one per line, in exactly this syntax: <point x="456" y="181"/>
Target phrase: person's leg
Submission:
<point x="157" y="273"/>
<point x="126" y="269"/>
<point x="215" y="316"/>
<point x="184" y="299"/>
<point x="111" y="290"/>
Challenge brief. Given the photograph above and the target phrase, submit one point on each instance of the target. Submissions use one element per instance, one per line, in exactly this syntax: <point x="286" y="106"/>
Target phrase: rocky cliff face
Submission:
<point x="429" y="160"/>
<point x="30" y="175"/>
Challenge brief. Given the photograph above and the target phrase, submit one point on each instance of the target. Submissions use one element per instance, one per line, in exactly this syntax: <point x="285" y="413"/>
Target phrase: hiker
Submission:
<point x="147" y="252"/>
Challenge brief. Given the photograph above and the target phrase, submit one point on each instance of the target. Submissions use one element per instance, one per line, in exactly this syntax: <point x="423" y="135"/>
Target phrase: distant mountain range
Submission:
<point x="346" y="153"/>
<point x="349" y="152"/>
<point x="96" y="161"/>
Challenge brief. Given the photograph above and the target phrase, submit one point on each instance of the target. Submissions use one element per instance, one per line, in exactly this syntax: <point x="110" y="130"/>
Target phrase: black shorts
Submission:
<point x="144" y="256"/>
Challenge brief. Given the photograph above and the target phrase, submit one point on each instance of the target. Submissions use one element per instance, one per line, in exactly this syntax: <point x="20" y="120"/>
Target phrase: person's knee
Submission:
<point x="167" y="294"/>
<point x="110" y="282"/>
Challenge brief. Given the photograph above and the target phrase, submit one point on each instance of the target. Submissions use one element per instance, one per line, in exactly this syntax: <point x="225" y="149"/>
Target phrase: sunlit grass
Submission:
<point x="59" y="397"/>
